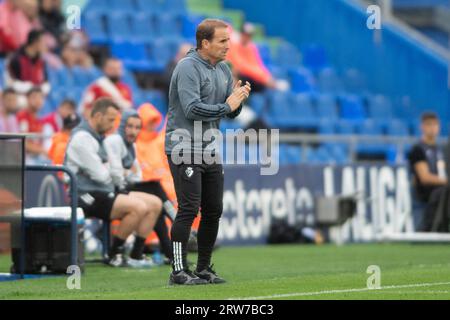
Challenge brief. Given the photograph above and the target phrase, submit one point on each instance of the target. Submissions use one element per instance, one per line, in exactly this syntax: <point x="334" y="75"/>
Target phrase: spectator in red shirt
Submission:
<point x="14" y="26"/>
<point x="53" y="122"/>
<point x="30" y="123"/>
<point x="8" y="110"/>
<point x="110" y="86"/>
<point x="27" y="68"/>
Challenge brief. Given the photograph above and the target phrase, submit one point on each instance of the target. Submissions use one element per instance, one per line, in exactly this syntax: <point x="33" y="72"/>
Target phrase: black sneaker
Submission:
<point x="209" y="275"/>
<point x="185" y="277"/>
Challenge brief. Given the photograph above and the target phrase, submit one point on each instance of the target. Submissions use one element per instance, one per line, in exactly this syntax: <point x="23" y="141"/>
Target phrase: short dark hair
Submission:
<point x="69" y="102"/>
<point x="206" y="30"/>
<point x="33" y="36"/>
<point x="108" y="59"/>
<point x="102" y="105"/>
<point x="8" y="91"/>
<point x="428" y="115"/>
<point x="34" y="90"/>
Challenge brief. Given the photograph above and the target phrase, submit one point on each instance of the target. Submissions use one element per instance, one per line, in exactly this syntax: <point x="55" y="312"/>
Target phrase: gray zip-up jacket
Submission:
<point x="86" y="157"/>
<point x="198" y="92"/>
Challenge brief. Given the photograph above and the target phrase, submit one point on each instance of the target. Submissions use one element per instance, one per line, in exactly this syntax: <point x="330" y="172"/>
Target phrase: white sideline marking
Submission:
<point x="299" y="294"/>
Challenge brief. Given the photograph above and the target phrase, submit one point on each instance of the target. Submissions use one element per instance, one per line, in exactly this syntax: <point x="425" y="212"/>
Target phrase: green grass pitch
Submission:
<point x="271" y="272"/>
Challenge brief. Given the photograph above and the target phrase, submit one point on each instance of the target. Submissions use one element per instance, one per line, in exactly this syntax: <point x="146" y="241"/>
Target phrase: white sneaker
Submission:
<point x="144" y="263"/>
<point x="117" y="261"/>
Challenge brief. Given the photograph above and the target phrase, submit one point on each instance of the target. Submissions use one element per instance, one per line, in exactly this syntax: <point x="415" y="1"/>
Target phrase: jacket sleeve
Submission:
<point x="113" y="147"/>
<point x="84" y="155"/>
<point x="189" y="93"/>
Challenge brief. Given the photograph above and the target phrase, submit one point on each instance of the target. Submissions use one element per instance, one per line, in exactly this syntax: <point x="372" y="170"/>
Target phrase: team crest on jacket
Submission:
<point x="189" y="172"/>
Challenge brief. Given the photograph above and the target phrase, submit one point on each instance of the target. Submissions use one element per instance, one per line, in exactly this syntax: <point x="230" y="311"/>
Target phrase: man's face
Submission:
<point x="132" y="129"/>
<point x="10" y="103"/>
<point x="431" y="128"/>
<point x="65" y="110"/>
<point x="218" y="47"/>
<point x="35" y="101"/>
<point x="105" y="122"/>
<point x="113" y="69"/>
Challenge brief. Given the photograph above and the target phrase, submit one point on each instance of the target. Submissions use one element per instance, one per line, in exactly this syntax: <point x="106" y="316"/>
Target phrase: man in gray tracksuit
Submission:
<point x="87" y="158"/>
<point x="201" y="93"/>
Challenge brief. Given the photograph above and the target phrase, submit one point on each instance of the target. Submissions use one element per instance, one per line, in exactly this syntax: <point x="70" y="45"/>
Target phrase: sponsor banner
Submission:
<point x="251" y="201"/>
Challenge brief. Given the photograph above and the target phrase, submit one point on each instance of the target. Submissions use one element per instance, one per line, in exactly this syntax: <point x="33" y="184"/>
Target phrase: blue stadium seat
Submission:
<point x="327" y="107"/>
<point x="65" y="78"/>
<point x="93" y="25"/>
<point x="293" y="112"/>
<point x="169" y="25"/>
<point x="129" y="79"/>
<point x="397" y="128"/>
<point x="53" y="76"/>
<point x="338" y="153"/>
<point x="380" y="107"/>
<point x="294" y="154"/>
<point x="317" y="156"/>
<point x="301" y="79"/>
<point x="315" y="57"/>
<point x="97" y="6"/>
<point x="279" y="72"/>
<point x="352" y="108"/>
<point x="371" y="127"/>
<point x="119" y="27"/>
<point x="47" y="108"/>
<point x="190" y="23"/>
<point x="323" y="156"/>
<point x="283" y="155"/>
<point x="161" y="52"/>
<point x="354" y="81"/>
<point x="133" y="54"/>
<point x="326" y="127"/>
<point x="345" y="127"/>
<point x="154" y="6"/>
<point x="328" y="81"/>
<point x="143" y="27"/>
<point x="81" y="76"/>
<point x="125" y="6"/>
<point x="258" y="102"/>
<point x="414" y="126"/>
<point x="264" y="52"/>
<point x="287" y="55"/>
<point x="176" y="6"/>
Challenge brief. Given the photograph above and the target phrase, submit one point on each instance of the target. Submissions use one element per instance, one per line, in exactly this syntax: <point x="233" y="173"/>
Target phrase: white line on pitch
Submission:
<point x="317" y="293"/>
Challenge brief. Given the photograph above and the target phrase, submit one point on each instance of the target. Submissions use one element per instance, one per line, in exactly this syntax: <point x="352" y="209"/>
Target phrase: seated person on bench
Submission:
<point x="427" y="163"/>
<point x="87" y="158"/>
<point x="126" y="172"/>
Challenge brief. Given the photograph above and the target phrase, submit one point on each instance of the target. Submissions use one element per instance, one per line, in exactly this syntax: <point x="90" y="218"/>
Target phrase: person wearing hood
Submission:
<point x="87" y="158"/>
<point x="126" y="172"/>
<point x="202" y="92"/>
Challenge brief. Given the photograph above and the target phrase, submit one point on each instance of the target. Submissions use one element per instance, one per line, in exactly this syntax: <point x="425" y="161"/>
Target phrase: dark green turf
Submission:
<point x="266" y="271"/>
